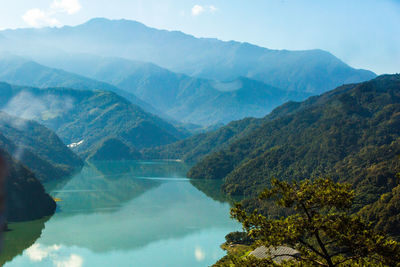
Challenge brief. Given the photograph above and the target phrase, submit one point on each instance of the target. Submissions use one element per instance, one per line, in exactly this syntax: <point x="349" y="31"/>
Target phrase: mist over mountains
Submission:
<point x="117" y="89"/>
<point x="88" y="117"/>
<point x="312" y="71"/>
<point x="181" y="97"/>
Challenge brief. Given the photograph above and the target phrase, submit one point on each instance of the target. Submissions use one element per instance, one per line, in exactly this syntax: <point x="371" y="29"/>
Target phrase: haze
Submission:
<point x="361" y="33"/>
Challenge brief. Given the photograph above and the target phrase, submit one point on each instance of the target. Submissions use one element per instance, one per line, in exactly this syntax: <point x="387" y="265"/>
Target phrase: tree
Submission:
<point x="321" y="227"/>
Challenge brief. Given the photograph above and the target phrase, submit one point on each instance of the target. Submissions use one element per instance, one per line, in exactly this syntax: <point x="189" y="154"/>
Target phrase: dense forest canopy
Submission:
<point x="349" y="134"/>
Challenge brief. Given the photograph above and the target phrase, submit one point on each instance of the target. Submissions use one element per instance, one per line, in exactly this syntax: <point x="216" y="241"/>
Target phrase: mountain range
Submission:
<point x="22" y="71"/>
<point x="312" y="71"/>
<point x="175" y="97"/>
<point x="84" y="119"/>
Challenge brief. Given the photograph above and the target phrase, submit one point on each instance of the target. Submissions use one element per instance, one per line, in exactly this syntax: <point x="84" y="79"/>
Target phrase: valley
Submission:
<point x="124" y="144"/>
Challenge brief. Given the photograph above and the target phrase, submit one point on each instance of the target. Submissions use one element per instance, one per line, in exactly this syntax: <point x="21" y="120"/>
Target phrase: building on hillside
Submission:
<point x="278" y="254"/>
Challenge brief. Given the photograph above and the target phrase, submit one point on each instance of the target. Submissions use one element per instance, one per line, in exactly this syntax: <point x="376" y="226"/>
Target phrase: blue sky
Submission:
<point x="363" y="33"/>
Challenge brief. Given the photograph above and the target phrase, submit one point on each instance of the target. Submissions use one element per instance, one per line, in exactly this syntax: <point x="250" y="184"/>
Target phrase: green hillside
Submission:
<point x="26" y="198"/>
<point x="38" y="148"/>
<point x="179" y="96"/>
<point x="350" y="134"/>
<point x="21" y="71"/>
<point x="84" y="118"/>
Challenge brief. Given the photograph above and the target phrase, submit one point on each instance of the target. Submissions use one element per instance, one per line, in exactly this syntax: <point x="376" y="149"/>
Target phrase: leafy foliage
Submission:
<point x="385" y="212"/>
<point x="239" y="238"/>
<point x="320" y="227"/>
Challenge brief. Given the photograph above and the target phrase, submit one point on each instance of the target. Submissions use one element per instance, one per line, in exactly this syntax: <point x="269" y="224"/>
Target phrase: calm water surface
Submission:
<point x="125" y="214"/>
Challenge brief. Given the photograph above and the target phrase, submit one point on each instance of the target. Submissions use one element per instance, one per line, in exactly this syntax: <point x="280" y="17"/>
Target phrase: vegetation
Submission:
<point x="184" y="98"/>
<point x="21" y="71"/>
<point x="86" y="118"/>
<point x="37" y="147"/>
<point x="350" y="134"/>
<point x="320" y="227"/>
<point x="113" y="149"/>
<point x="241" y="238"/>
<point x="21" y="236"/>
<point x="194" y="148"/>
<point x="385" y="212"/>
<point x="26" y="198"/>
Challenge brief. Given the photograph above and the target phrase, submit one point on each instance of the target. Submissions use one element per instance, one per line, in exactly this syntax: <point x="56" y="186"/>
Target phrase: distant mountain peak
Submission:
<point x="311" y="71"/>
<point x="104" y="22"/>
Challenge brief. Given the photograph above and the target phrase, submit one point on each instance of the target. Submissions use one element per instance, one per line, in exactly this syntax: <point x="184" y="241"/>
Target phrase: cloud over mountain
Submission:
<point x="37" y="17"/>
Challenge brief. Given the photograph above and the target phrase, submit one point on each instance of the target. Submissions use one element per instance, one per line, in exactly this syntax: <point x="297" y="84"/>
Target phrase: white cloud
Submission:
<point x="73" y="261"/>
<point x="212" y="8"/>
<point x="66" y="6"/>
<point x="198" y="9"/>
<point x="39" y="18"/>
<point x="37" y="253"/>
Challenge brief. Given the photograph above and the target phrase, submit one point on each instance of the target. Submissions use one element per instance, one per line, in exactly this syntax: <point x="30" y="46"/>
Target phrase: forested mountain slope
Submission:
<point x="194" y="148"/>
<point x="22" y="71"/>
<point x="26" y="198"/>
<point x="385" y="212"/>
<point x="84" y="118"/>
<point x="38" y="148"/>
<point x="350" y="134"/>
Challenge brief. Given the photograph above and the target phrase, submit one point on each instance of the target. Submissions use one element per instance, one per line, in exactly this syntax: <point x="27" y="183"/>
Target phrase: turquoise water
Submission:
<point x="126" y="214"/>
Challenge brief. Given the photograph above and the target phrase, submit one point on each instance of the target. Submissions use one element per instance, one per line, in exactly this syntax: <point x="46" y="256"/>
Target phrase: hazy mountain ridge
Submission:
<point x="313" y="71"/>
<point x="85" y="118"/>
<point x="22" y="71"/>
<point x="181" y="97"/>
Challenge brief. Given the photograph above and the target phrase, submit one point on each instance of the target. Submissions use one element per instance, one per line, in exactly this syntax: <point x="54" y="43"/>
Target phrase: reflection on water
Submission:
<point x="20" y="237"/>
<point x="131" y="214"/>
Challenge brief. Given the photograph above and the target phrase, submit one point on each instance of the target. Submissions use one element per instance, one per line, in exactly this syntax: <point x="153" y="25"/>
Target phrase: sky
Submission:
<point x="363" y="33"/>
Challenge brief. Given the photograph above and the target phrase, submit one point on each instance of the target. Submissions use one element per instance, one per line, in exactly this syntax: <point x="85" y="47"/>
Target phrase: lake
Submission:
<point x="125" y="213"/>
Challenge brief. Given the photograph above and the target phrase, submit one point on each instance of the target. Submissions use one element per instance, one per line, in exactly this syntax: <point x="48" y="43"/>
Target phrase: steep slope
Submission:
<point x="21" y="71"/>
<point x="25" y="196"/>
<point x="311" y="71"/>
<point x="37" y="148"/>
<point x="84" y="118"/>
<point x="350" y="134"/>
<point x="113" y="149"/>
<point x="194" y="148"/>
<point x="183" y="98"/>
